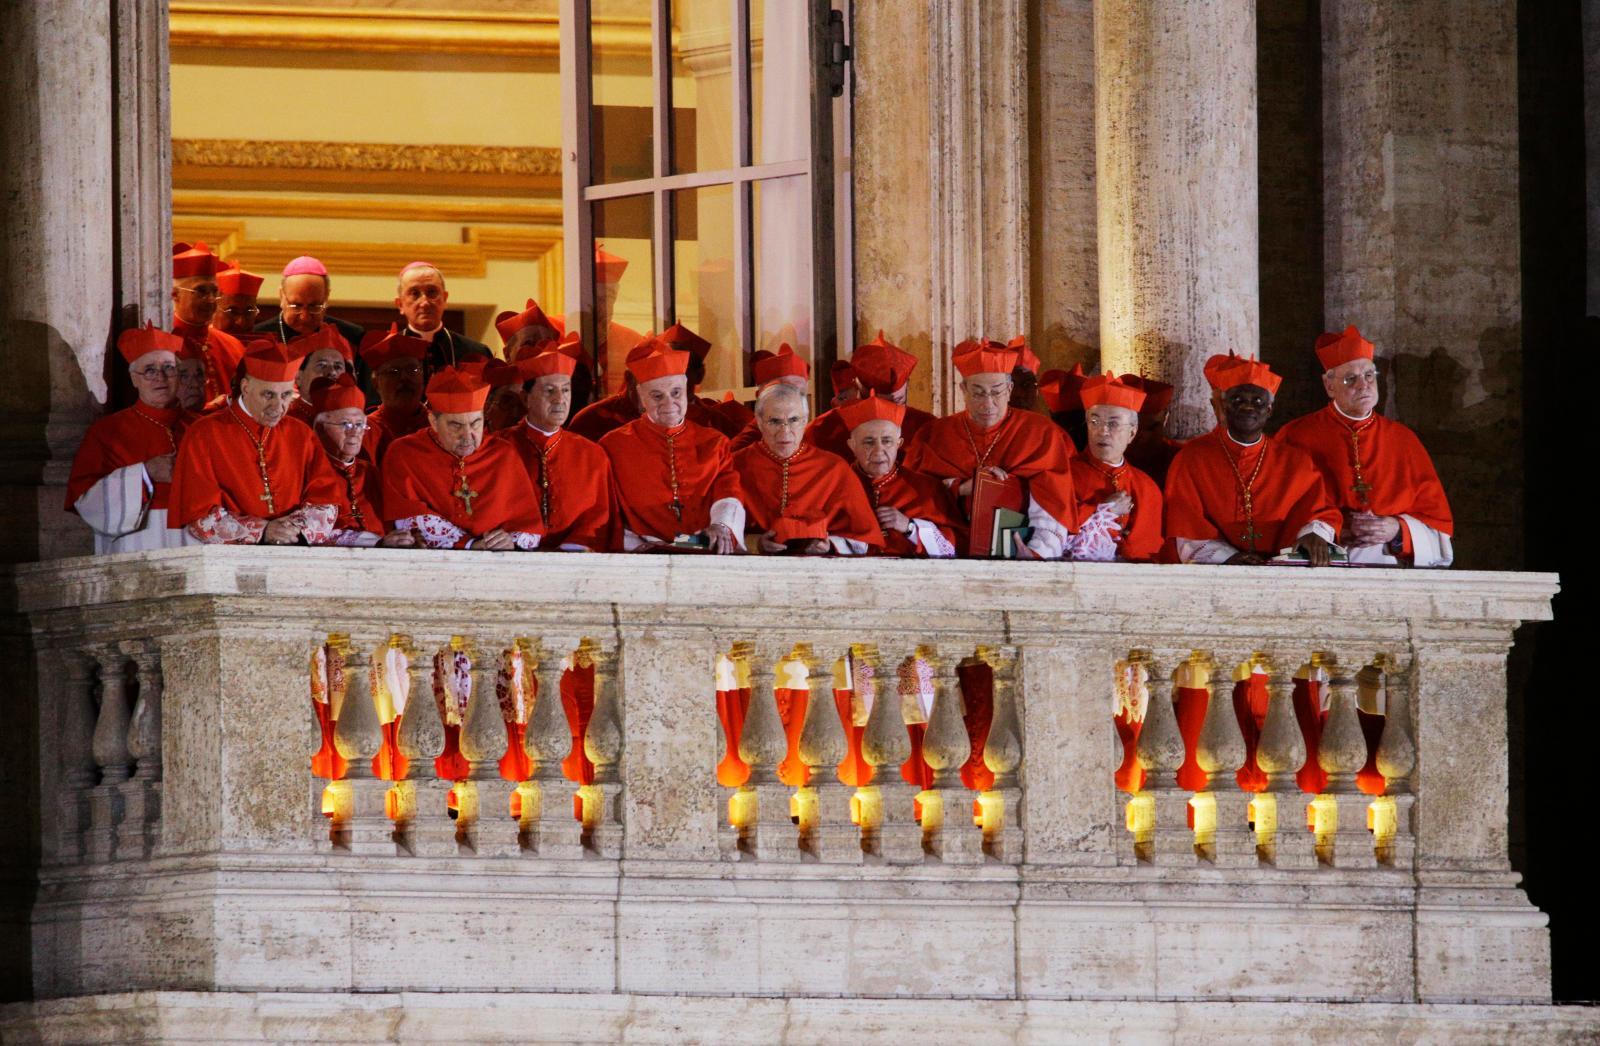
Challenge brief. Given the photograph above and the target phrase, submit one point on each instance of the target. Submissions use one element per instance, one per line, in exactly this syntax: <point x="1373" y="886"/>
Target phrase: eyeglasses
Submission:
<point x="152" y="372"/>
<point x="401" y="370"/>
<point x="203" y="293"/>
<point x="1108" y="424"/>
<point x="248" y="312"/>
<point x="1366" y="377"/>
<point x="315" y="309"/>
<point x="349" y="428"/>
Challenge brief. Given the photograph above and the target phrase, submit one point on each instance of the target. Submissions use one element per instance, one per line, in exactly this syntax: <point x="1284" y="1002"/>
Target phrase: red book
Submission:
<point x="989" y="495"/>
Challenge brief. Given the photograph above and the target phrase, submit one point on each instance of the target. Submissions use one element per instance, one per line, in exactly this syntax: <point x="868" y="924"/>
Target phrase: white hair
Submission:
<point x="400" y="282"/>
<point x="778" y="390"/>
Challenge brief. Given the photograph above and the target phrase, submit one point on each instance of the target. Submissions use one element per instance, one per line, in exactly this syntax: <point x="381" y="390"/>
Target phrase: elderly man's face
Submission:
<point x="324" y="363"/>
<point x="304" y="301"/>
<point x="504" y="408"/>
<point x="237" y="314"/>
<point x="191" y="384"/>
<point x="1353" y="387"/>
<point x="155" y="377"/>
<point x="460" y="434"/>
<point x="267" y="401"/>
<point x="988" y="397"/>
<point x="341" y="432"/>
<point x="549" y="400"/>
<point x="1111" y="429"/>
<point x="421" y="298"/>
<point x="194" y="299"/>
<point x="876" y="444"/>
<point x="399" y="383"/>
<point x="665" y="401"/>
<point x="1246" y="408"/>
<point x="782" y="420"/>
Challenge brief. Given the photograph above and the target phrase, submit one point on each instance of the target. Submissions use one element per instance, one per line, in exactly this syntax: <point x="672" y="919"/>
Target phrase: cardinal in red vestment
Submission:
<point x="250" y="474"/>
<point x="992" y="438"/>
<point x="1152" y="450"/>
<point x="453" y="486"/>
<point x="570" y="475"/>
<point x="122" y="475"/>
<point x="877" y="367"/>
<point x="396" y="364"/>
<point x="1119" y="507"/>
<point x="917" y="514"/>
<point x="800" y="498"/>
<point x="675" y="479"/>
<point x="618" y="409"/>
<point x="238" y="292"/>
<point x="323" y="354"/>
<point x="340" y="422"/>
<point x="194" y="302"/>
<point x="1236" y="496"/>
<point x="1393" y="505"/>
<point x="784" y="367"/>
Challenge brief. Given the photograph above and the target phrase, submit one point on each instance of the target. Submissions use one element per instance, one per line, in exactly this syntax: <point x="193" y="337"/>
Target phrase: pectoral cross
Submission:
<point x="1361" y="488"/>
<point x="677" y="509"/>
<point x="1250" y="535"/>
<point x="465" y="493"/>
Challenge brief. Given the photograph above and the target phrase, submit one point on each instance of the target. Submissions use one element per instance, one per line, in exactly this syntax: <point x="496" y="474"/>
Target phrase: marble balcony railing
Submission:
<point x="291" y="769"/>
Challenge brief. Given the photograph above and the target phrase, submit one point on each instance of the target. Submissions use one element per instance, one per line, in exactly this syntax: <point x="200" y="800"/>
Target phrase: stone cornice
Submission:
<point x="379" y="31"/>
<point x="302" y="165"/>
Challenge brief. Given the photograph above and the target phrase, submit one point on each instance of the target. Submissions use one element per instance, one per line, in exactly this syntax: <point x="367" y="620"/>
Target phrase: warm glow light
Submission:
<point x="591" y="798"/>
<point x="855" y="808"/>
<point x="525" y="802"/>
<point x="1383" y="819"/>
<point x="928" y="807"/>
<point x="867" y="805"/>
<point x="1141" y="816"/>
<point x="991" y="813"/>
<point x="805" y="808"/>
<point x="1264" y="814"/>
<point x="1203" y="814"/>
<point x="330" y="800"/>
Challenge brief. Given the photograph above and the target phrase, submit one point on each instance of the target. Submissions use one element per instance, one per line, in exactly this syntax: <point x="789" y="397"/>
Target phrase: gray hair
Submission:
<point x="400" y="281"/>
<point x="778" y="390"/>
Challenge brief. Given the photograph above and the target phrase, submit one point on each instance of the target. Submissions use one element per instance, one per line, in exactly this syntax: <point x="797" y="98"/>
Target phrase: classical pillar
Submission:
<point x="1175" y="149"/>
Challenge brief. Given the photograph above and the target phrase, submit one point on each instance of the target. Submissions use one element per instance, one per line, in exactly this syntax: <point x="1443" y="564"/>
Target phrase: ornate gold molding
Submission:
<point x="368" y="31"/>
<point x="468" y="259"/>
<point x="193" y="202"/>
<point x="244" y="164"/>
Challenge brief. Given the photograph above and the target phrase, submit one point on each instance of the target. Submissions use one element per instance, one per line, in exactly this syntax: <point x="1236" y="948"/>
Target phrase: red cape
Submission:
<point x="1140" y="540"/>
<point x="821" y="488"/>
<point x="582" y="492"/>
<point x="359" y="495"/>
<point x="1028" y="446"/>
<point x="639" y="453"/>
<point x="919" y="497"/>
<point x="218" y="466"/>
<point x="420" y="477"/>
<point x="1395" y="467"/>
<point x="1203" y="496"/>
<point x="127" y="437"/>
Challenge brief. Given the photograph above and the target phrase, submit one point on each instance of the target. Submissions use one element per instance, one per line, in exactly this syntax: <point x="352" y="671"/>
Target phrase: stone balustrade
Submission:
<point x="331" y="770"/>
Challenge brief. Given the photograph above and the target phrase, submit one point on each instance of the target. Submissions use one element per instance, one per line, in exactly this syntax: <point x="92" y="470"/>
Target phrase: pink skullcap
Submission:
<point x="305" y="265"/>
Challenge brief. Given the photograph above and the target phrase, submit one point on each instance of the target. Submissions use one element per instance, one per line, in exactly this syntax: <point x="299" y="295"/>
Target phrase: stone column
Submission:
<point x="1175" y="148"/>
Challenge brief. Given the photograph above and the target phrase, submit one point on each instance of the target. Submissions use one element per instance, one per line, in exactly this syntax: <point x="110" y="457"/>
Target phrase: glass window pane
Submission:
<point x="702" y="85"/>
<point x="780" y="81"/>
<point x="703" y="274"/>
<point x="622" y="92"/>
<point x="624" y="282"/>
<point x="781" y="261"/>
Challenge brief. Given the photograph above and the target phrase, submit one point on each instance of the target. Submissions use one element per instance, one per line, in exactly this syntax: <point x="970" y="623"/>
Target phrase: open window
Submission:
<point x="698" y="177"/>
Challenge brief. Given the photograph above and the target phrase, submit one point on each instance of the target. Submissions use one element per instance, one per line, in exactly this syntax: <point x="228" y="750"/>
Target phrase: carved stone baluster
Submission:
<point x="558" y="834"/>
<point x="1002" y="754"/>
<point x="831" y="836"/>
<point x="78" y="770"/>
<point x="1281" y="833"/>
<point x="1397" y="757"/>
<point x="947" y="828"/>
<point x="773" y="836"/>
<point x="358" y="736"/>
<point x="887" y="822"/>
<point x="111" y="755"/>
<point x="487" y="829"/>
<point x="430" y="831"/>
<point x="1160" y="755"/>
<point x="1341" y="753"/>
<point x="602" y="743"/>
<point x="141" y="796"/>
<point x="1220" y="752"/>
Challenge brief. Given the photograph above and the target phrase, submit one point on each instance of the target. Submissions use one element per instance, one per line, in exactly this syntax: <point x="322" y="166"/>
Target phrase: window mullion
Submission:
<point x="577" y="221"/>
<point x="743" y="290"/>
<point x="661" y="209"/>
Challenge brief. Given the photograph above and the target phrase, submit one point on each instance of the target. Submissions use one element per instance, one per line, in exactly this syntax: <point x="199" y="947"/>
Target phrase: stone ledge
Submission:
<point x="213" y="1017"/>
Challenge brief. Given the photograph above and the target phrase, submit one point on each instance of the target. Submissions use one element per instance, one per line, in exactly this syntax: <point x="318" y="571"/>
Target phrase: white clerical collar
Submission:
<point x="246" y="410"/>
<point x="1258" y="439"/>
<point x="425" y="335"/>
<point x="1118" y="463"/>
<point x="1363" y="417"/>
<point x="542" y="432"/>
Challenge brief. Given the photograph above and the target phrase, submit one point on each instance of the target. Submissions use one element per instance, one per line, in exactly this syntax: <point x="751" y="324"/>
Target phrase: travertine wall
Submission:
<point x="1421" y="237"/>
